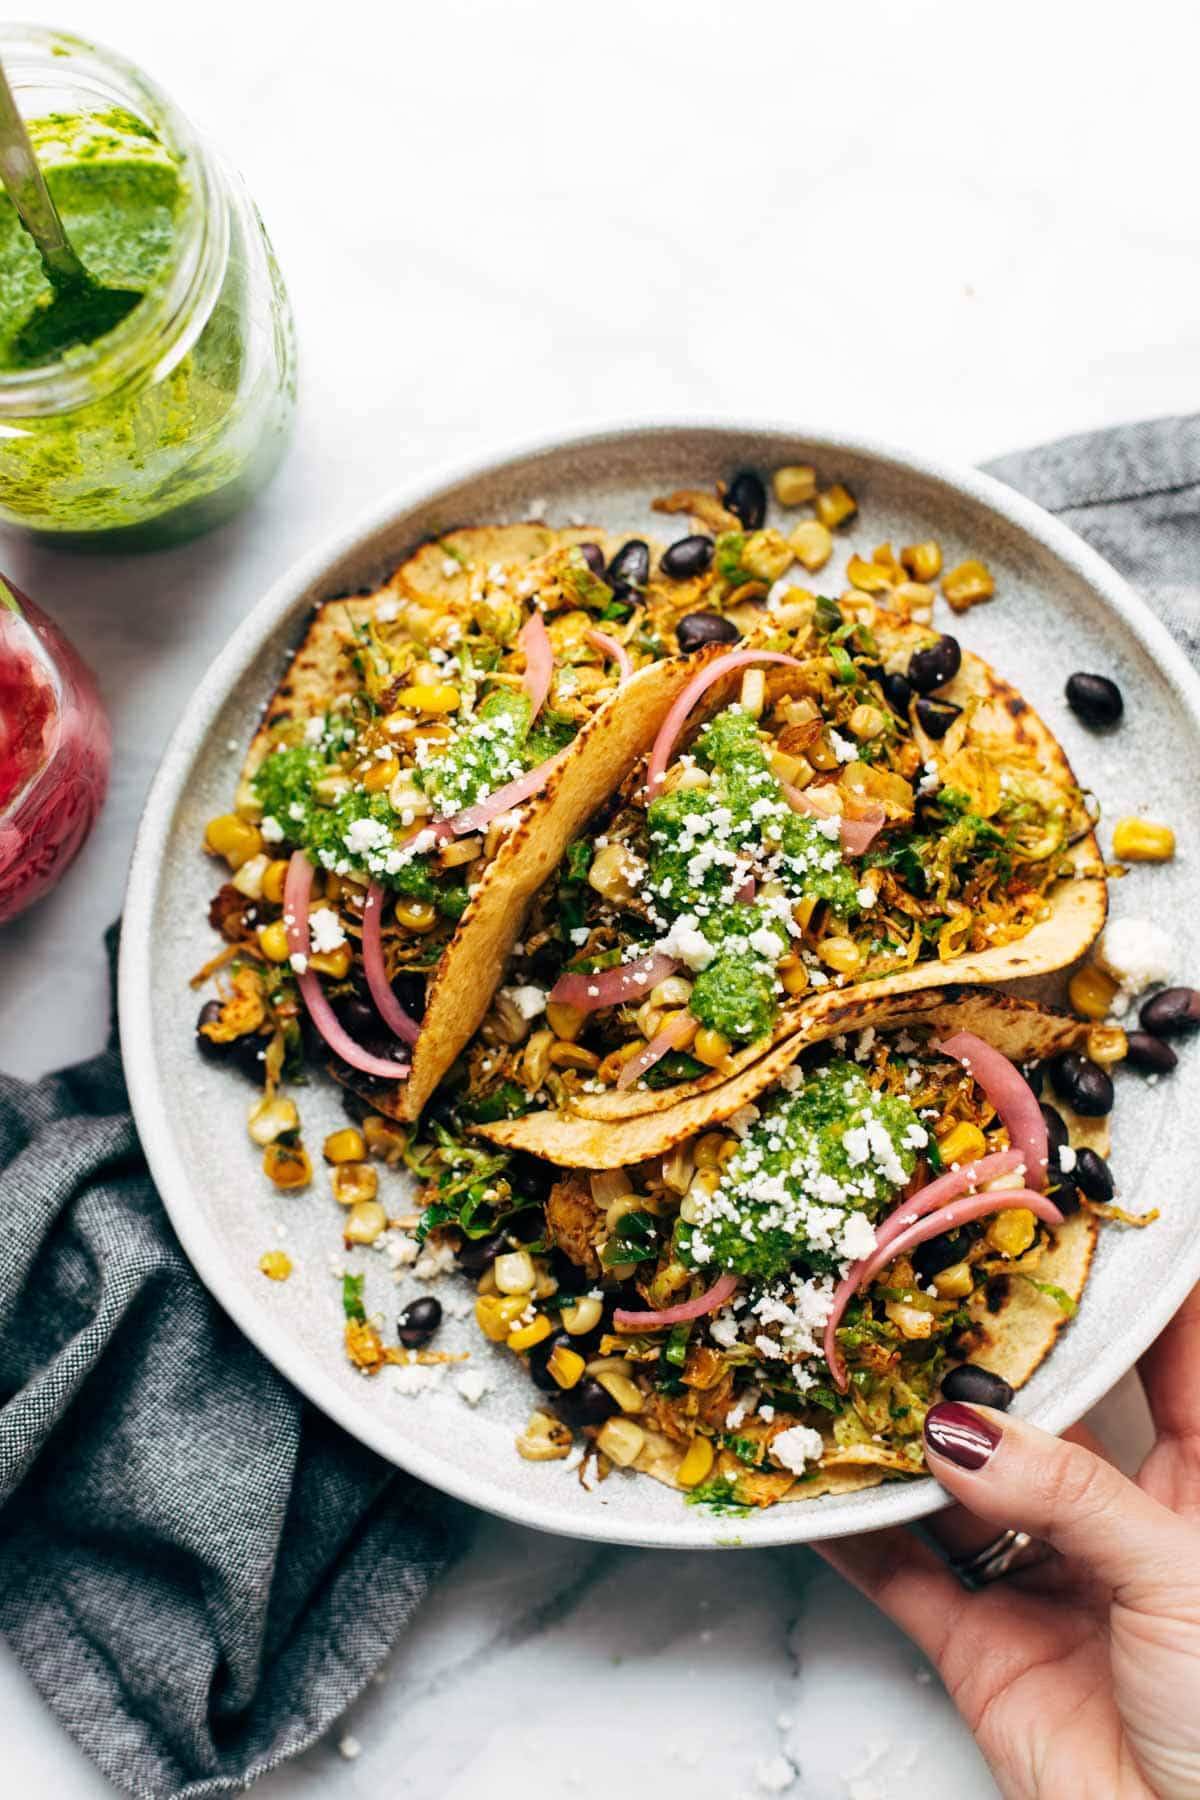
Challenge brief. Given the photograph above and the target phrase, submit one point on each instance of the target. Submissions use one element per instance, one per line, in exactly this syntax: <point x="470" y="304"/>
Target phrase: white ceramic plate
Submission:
<point x="1060" y="607"/>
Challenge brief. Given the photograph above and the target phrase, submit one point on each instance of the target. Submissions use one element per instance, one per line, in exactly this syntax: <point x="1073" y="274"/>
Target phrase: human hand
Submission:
<point x="1080" y="1676"/>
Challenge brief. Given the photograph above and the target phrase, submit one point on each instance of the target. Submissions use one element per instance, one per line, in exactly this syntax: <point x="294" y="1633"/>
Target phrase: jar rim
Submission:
<point x="162" y="328"/>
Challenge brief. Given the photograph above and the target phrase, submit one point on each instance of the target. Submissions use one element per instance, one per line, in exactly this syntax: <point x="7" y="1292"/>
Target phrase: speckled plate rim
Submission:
<point x="831" y="1516"/>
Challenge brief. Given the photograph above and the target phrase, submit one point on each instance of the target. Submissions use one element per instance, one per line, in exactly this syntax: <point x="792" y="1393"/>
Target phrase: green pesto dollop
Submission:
<point x="483" y="756"/>
<point x="833" y="1148"/>
<point x="698" y="837"/>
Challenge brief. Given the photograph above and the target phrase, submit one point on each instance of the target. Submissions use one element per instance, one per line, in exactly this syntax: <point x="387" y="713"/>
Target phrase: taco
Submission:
<point x="768" y="1311"/>
<point x="814" y="820"/>
<point x="382" y="845"/>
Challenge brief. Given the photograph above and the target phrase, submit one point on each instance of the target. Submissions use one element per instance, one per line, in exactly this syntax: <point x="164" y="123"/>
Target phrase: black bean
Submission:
<point x="977" y="1386"/>
<point x="934" y="667"/>
<point x="1093" y="1175"/>
<point x="1084" y="1085"/>
<point x="357" y="1015"/>
<point x="1062" y="1190"/>
<point x="747" y="497"/>
<point x="539" y="1358"/>
<point x="570" y="1277"/>
<point x="1057" y="1134"/>
<point x="897" y="691"/>
<point x="936" y="1254"/>
<point x="630" y="567"/>
<point x="409" y="989"/>
<point x="478" y="1254"/>
<point x="1094" y="699"/>
<point x="593" y="556"/>
<point x="1034" y="1074"/>
<point x="1169" y="1014"/>
<point x="587" y="1404"/>
<point x="695" y="631"/>
<point x="687" y="556"/>
<point x="1150" y="1053"/>
<point x="245" y="1054"/>
<point x="936" y="716"/>
<point x="418" y="1321"/>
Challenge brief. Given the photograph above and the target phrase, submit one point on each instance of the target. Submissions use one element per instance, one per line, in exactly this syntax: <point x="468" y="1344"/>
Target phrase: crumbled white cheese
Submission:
<point x="529" y="1001"/>
<point x="845" y="749"/>
<point x="1067" y="1159"/>
<point x="795" y="1448"/>
<point x="1137" y="954"/>
<point x="387" y="609"/>
<point x="686" y="941"/>
<point x="472" y="1384"/>
<point x="435" y="1260"/>
<point x="314" y="729"/>
<point x="298" y="961"/>
<point x="325" y="930"/>
<point x="272" y="831"/>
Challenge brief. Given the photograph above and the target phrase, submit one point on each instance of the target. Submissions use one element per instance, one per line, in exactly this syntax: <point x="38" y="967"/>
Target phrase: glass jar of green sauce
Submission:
<point x="168" y="423"/>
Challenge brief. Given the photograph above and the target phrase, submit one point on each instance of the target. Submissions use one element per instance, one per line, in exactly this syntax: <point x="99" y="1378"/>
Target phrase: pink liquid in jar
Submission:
<point x="55" y="749"/>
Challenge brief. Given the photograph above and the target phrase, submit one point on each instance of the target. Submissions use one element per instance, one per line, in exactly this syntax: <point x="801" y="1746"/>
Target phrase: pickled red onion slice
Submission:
<point x="947" y="1187"/>
<point x="479" y="816"/>
<point x="609" y="987"/>
<point x="534" y="640"/>
<point x="297" y="890"/>
<point x="680" y="1029"/>
<point x="386" y="1003"/>
<point x="857" y="835"/>
<point x="1009" y="1093"/>
<point x="934" y="1224"/>
<point x="610" y="647"/>
<point x="721" y="1290"/>
<point x="699" y="685"/>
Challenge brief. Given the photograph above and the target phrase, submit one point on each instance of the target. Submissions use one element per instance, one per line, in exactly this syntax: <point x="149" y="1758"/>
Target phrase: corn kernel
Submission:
<point x="248" y="879"/>
<point x="967" y="585"/>
<point x="795" y="484"/>
<point x="494" y="1314"/>
<point x="1142" y="840"/>
<point x="835" y="505"/>
<point x="866" y="722"/>
<point x="544" y="1439"/>
<point x="276" y="1265"/>
<point x="354" y="1181"/>
<point x="963" y="1143"/>
<point x="526" y="1336"/>
<point x="416" y="915"/>
<point x="710" y="1047"/>
<point x="923" y="561"/>
<point x="381" y="775"/>
<point x="273" y="941"/>
<point x="610" y="873"/>
<point x="621" y="1441"/>
<point x="753" y="696"/>
<point x="514" y="1272"/>
<point x="1012" y="1232"/>
<point x="566" y="1366"/>
<point x="439" y="697"/>
<point x="1107" y="1044"/>
<point x="813" y="545"/>
<point x="841" y="954"/>
<point x="334" y="963"/>
<point x="822" y="755"/>
<point x="274" y="876"/>
<point x="804" y="909"/>
<point x="344" y="1146"/>
<point x="582" y="1316"/>
<point x="365" y="1221"/>
<point x="384" y="1138"/>
<point x="707" y="1151"/>
<point x="1091" y="991"/>
<point x="793" y="976"/>
<point x="287" y="1165"/>
<point x="954" y="1283"/>
<point x="271" y="1119"/>
<point x="868" y="577"/>
<point x="696" y="1464"/>
<point x="233" y="838"/>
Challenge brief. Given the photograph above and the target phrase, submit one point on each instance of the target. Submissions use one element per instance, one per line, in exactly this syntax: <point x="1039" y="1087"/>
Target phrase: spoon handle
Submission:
<point x="22" y="176"/>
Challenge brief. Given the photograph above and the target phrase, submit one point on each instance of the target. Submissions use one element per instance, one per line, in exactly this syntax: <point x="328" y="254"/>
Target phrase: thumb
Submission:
<point x="1008" y="1472"/>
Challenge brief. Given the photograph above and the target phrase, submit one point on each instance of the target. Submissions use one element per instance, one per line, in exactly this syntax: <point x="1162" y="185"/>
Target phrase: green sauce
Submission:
<point x="834" y="1147"/>
<point x="119" y="193"/>
<point x="170" y="449"/>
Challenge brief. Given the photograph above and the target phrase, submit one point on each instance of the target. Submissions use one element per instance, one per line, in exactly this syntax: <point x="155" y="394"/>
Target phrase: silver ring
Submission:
<point x="1010" y="1551"/>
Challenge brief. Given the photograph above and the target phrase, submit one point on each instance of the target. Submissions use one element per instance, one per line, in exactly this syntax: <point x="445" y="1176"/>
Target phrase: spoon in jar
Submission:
<point x="79" y="309"/>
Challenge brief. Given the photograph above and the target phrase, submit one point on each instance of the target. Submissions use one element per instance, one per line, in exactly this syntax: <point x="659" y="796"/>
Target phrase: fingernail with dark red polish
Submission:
<point x="960" y="1434"/>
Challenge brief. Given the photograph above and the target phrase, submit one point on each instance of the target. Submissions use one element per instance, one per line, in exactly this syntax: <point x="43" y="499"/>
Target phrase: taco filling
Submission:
<point x="769" y="1311"/>
<point x="817" y="827"/>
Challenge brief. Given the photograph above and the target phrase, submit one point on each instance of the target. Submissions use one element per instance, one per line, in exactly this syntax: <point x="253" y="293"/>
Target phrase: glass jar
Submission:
<point x="170" y="422"/>
<point x="54" y="753"/>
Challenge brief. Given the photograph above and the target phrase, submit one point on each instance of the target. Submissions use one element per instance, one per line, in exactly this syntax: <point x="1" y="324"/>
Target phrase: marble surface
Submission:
<point x="962" y="228"/>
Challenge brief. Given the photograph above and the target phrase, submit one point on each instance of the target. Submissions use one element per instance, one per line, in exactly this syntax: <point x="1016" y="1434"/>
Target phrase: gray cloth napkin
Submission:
<point x="197" y="1570"/>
